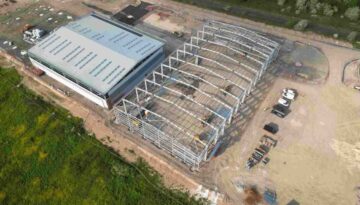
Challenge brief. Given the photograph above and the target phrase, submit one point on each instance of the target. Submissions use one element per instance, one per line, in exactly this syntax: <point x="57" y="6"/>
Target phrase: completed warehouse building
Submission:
<point x="98" y="58"/>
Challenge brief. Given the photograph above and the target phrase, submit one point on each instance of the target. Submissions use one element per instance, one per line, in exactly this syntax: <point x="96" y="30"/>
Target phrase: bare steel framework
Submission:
<point x="185" y="105"/>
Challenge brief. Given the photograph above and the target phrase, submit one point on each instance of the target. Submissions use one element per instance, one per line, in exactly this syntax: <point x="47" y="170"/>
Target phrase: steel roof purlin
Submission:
<point x="197" y="90"/>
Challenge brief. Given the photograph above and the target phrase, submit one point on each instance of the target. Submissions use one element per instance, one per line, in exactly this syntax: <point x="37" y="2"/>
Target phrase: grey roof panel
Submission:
<point x="95" y="52"/>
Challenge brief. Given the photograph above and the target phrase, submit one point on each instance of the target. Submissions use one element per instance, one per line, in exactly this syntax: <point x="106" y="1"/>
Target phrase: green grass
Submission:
<point x="46" y="157"/>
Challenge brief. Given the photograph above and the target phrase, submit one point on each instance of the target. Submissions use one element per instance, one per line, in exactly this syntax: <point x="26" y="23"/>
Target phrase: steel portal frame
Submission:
<point x="185" y="104"/>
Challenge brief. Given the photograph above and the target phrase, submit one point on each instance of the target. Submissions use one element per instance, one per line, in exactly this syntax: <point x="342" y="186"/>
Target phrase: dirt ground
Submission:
<point x="352" y="73"/>
<point x="155" y="20"/>
<point x="317" y="159"/>
<point x="6" y="6"/>
<point x="312" y="63"/>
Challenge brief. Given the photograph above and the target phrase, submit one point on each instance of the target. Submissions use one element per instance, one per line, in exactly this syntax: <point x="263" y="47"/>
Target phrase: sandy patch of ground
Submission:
<point x="164" y="23"/>
<point x="5" y="63"/>
<point x="348" y="152"/>
<point x="78" y="8"/>
<point x="6" y="6"/>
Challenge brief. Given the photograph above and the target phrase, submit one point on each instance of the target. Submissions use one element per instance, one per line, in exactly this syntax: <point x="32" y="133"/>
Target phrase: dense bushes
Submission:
<point x="352" y="13"/>
<point x="335" y="18"/>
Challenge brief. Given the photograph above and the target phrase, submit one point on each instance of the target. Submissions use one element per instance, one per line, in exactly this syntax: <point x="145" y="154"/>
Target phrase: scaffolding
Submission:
<point x="184" y="105"/>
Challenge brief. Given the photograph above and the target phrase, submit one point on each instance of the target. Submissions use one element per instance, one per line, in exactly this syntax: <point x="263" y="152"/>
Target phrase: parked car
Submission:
<point x="289" y="90"/>
<point x="289" y="94"/>
<point x="266" y="160"/>
<point x="283" y="101"/>
<point x="271" y="127"/>
<point x="280" y="110"/>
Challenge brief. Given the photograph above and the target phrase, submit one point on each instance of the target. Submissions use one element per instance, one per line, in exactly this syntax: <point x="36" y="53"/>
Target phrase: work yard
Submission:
<point x="47" y="155"/>
<point x="37" y="15"/>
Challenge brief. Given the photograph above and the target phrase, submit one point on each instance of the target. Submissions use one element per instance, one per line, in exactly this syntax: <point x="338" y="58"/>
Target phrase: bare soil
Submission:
<point x="352" y="74"/>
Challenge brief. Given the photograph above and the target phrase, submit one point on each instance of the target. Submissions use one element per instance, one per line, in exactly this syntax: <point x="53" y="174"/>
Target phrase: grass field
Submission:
<point x="46" y="157"/>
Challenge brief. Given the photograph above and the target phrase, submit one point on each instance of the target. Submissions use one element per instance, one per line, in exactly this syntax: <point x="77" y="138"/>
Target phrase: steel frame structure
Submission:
<point x="186" y="103"/>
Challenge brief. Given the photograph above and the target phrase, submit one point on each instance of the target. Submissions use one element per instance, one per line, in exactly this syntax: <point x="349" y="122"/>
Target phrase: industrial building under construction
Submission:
<point x="186" y="103"/>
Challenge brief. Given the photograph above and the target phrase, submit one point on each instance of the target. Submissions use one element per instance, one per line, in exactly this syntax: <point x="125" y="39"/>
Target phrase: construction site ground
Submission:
<point x="317" y="158"/>
<point x="351" y="76"/>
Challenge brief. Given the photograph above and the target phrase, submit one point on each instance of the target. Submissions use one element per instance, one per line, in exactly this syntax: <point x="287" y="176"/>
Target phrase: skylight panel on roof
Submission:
<point x="142" y="48"/>
<point x="71" y="52"/>
<point x="88" y="61"/>
<point x="51" y="42"/>
<point x="84" y="58"/>
<point x="116" y="75"/>
<point x="103" y="68"/>
<point x="62" y="48"/>
<point x="96" y="35"/>
<point x="98" y="66"/>
<point x="75" y="26"/>
<point x="129" y="42"/>
<point x="100" y="37"/>
<point x="117" y="35"/>
<point x="83" y="29"/>
<point x="117" y="25"/>
<point x="47" y="40"/>
<point x="111" y="72"/>
<point x="76" y="55"/>
<point x="147" y="50"/>
<point x="87" y="31"/>
<point x="121" y="38"/>
<point x="135" y="44"/>
<point x="57" y="46"/>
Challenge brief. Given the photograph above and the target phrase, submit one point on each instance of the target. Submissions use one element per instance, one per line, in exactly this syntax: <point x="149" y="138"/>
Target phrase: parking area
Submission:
<point x="311" y="143"/>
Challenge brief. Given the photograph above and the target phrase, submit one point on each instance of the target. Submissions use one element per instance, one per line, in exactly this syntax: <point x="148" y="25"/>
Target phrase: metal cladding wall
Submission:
<point x="119" y="90"/>
<point x="77" y="88"/>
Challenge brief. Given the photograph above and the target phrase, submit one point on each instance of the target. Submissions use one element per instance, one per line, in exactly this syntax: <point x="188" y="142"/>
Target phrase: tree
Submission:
<point x="352" y="13"/>
<point x="301" y="5"/>
<point x="281" y="2"/>
<point x="328" y="10"/>
<point x="352" y="36"/>
<point x="301" y="25"/>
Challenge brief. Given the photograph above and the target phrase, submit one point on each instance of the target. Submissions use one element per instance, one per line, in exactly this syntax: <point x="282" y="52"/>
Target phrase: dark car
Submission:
<point x="280" y="110"/>
<point x="272" y="128"/>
